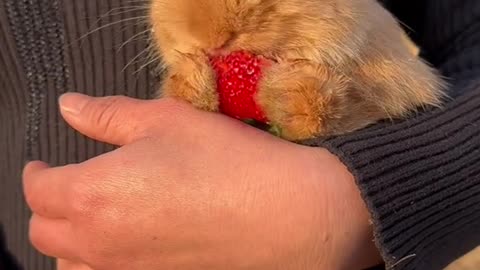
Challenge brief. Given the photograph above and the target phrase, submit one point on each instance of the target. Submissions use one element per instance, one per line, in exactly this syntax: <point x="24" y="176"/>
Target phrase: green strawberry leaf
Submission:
<point x="275" y="130"/>
<point x="272" y="129"/>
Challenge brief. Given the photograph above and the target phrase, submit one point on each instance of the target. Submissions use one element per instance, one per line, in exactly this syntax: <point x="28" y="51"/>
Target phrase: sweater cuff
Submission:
<point x="421" y="182"/>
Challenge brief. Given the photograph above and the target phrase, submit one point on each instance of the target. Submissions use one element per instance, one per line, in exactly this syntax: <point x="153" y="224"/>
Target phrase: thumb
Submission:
<point x="112" y="120"/>
<point x="68" y="265"/>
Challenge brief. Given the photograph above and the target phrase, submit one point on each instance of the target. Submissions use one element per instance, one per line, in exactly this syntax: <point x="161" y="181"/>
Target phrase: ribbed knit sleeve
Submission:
<point x="421" y="178"/>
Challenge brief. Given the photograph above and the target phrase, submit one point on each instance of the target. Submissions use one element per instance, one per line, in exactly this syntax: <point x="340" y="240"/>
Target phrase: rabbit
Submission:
<point x="339" y="65"/>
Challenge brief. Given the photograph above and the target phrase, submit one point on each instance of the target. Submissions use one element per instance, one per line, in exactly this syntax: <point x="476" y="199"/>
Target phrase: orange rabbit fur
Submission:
<point x="339" y="65"/>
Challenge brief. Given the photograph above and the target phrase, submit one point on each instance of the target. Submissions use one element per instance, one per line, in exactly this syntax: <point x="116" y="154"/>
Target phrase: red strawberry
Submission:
<point x="237" y="83"/>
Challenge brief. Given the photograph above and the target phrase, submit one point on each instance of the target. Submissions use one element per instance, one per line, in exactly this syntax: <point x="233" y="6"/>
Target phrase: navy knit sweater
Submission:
<point x="420" y="177"/>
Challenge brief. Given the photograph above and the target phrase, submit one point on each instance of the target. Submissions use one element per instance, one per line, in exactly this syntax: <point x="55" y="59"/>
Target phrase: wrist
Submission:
<point x="353" y="245"/>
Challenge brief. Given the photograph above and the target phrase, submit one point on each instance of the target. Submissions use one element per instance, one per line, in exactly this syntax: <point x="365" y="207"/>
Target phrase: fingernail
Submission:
<point x="73" y="103"/>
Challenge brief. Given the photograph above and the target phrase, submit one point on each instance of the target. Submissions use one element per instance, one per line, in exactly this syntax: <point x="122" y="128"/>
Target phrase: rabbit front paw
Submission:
<point x="300" y="100"/>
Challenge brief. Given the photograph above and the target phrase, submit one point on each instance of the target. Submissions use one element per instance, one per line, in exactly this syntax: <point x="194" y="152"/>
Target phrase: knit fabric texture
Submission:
<point x="48" y="47"/>
<point x="420" y="178"/>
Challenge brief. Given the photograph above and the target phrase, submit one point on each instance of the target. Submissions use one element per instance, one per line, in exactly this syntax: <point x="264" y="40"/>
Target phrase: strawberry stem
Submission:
<point x="275" y="130"/>
<point x="272" y="129"/>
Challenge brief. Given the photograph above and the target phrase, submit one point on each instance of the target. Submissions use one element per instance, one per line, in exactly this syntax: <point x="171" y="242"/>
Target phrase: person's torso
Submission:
<point x="48" y="47"/>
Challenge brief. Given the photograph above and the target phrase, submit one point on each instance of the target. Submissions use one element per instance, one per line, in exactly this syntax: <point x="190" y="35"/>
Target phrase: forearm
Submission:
<point x="421" y="182"/>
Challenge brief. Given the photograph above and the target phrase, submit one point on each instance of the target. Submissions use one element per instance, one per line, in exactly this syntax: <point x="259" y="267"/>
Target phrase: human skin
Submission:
<point x="189" y="189"/>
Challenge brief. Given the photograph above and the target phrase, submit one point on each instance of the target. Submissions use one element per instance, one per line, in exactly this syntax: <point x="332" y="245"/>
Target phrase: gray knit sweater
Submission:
<point x="420" y="178"/>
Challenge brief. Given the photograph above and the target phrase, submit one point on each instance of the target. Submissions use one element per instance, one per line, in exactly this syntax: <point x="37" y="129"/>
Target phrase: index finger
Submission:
<point x="45" y="189"/>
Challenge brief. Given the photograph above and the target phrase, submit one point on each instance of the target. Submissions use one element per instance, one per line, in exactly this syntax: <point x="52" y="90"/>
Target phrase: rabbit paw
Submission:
<point x="299" y="100"/>
<point x="192" y="80"/>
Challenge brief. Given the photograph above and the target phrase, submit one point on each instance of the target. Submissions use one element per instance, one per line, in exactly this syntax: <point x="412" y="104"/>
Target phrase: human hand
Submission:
<point x="194" y="190"/>
<point x="68" y="265"/>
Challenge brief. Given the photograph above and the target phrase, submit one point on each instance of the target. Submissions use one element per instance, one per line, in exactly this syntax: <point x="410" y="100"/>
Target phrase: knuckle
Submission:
<point x="170" y="112"/>
<point x="173" y="106"/>
<point x="84" y="199"/>
<point x="35" y="235"/>
<point x="29" y="195"/>
<point x="32" y="198"/>
<point x="117" y="113"/>
<point x="104" y="116"/>
<point x="31" y="188"/>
